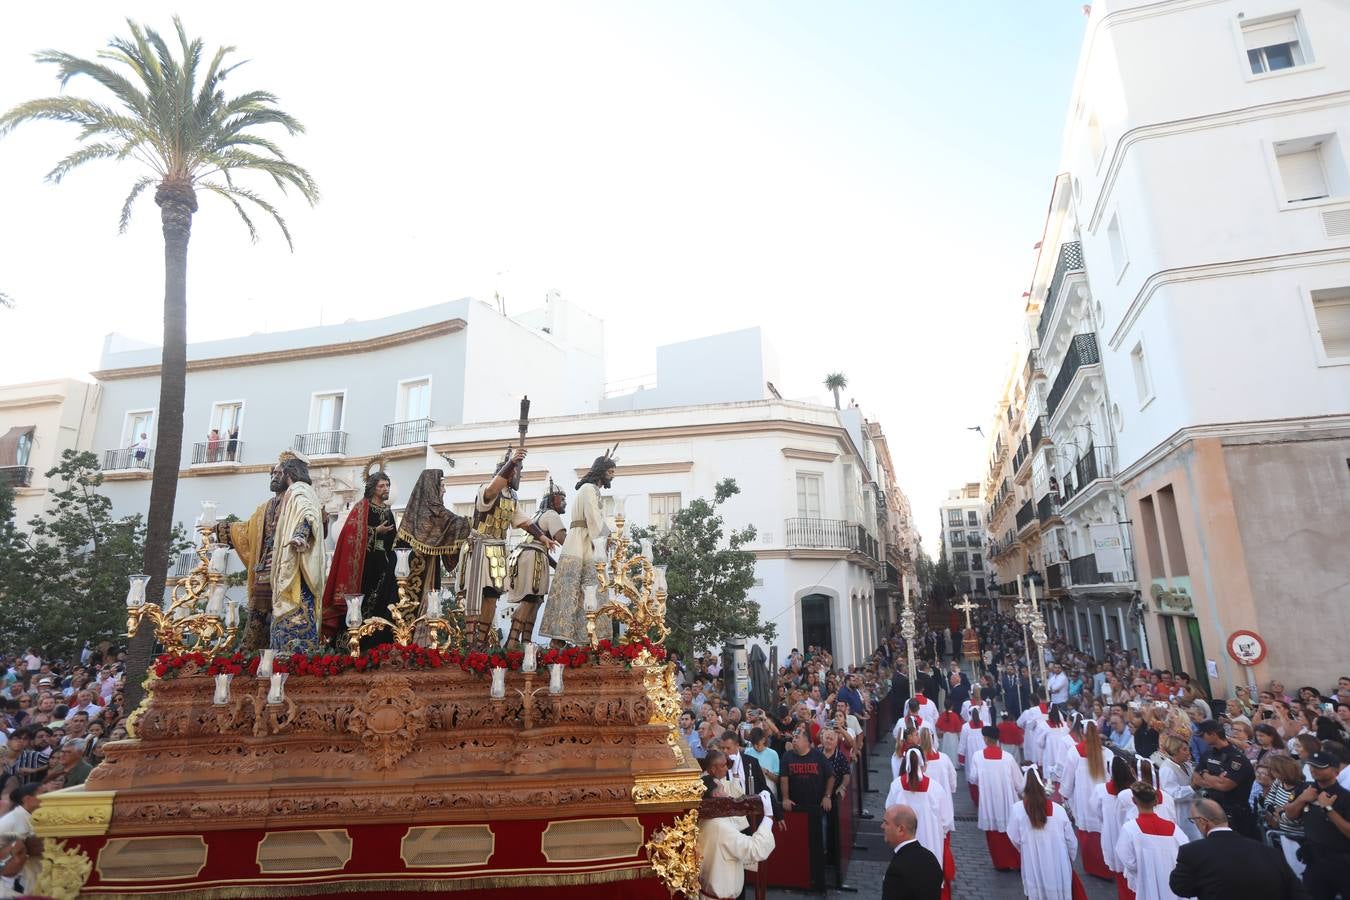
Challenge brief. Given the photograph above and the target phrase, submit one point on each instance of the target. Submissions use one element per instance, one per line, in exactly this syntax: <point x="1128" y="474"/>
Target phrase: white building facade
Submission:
<point x="38" y="422"/>
<point x="964" y="522"/>
<point x="1194" y="332"/>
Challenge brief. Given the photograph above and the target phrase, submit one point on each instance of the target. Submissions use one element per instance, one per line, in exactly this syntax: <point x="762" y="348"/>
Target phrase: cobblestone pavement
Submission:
<point x="976" y="878"/>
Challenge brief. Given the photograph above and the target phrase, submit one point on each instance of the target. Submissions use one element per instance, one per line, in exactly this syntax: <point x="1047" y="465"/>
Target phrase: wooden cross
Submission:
<point x="966" y="607"/>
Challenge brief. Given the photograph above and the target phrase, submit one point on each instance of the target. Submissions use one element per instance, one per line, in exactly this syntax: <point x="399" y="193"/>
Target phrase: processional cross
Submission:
<point x="966" y="607"/>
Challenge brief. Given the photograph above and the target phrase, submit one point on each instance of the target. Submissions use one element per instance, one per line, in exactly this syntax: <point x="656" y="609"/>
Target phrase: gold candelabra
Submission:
<point x="630" y="576"/>
<point x="406" y="620"/>
<point x="197" y="616"/>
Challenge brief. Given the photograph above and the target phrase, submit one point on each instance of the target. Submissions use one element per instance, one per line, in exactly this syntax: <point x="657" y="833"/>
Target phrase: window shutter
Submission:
<point x="1266" y="34"/>
<point x="1333" y="321"/>
<point x="1303" y="175"/>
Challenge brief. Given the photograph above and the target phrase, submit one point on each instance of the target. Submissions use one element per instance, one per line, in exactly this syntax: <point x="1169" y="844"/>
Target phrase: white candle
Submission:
<point x="555" y="676"/>
<point x="402" y="569"/>
<point x="1033" y="595"/>
<point x="591" y="601"/>
<point x="215" y="603"/>
<point x="529" y="664"/>
<point x="220" y="558"/>
<point x="136" y="592"/>
<point x="222" y="697"/>
<point x="498" y="683"/>
<point x="232" y="614"/>
<point x="353" y="609"/>
<point x="265" y="664"/>
<point x="208" y="516"/>
<point x="659" y="578"/>
<point x="1019" y="587"/>
<point x="276" y="692"/>
<point x="906" y="584"/>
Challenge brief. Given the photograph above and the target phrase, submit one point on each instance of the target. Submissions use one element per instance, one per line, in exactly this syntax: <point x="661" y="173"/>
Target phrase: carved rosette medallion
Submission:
<point x="673" y="852"/>
<point x="389" y="721"/>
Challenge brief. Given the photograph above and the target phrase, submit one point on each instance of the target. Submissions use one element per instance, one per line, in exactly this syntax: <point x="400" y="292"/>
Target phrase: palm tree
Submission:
<point x="173" y="118"/>
<point x="5" y="301"/>
<point x="835" y="381"/>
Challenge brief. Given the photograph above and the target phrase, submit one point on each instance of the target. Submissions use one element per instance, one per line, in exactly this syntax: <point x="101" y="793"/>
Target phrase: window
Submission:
<point x="23" y="450"/>
<point x="326" y="413"/>
<point x="975" y="562"/>
<point x="139" y="422"/>
<point x="972" y="518"/>
<point x="1273" y="44"/>
<point x="414" y="399"/>
<point x="1143" y="385"/>
<point x="661" y="508"/>
<point x="979" y="585"/>
<point x="1303" y="171"/>
<point x="957" y="539"/>
<point x="954" y="517"/>
<point x="959" y="561"/>
<point x="225" y="417"/>
<point x="1119" y="259"/>
<point x="808" y="495"/>
<point x="1331" y="308"/>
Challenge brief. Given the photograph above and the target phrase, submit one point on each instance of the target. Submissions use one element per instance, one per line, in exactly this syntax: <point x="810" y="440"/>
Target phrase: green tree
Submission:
<point x="171" y="117"/>
<point x="708" y="576"/>
<point x="66" y="580"/>
<point x="835" y="381"/>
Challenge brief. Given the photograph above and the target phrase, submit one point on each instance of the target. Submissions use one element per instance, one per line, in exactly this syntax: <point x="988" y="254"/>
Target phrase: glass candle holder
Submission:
<point x="215" y="602"/>
<point x="136" y="591"/>
<point x="659" y="578"/>
<point x="265" y="663"/>
<point x="434" y="608"/>
<point x="402" y="568"/>
<point x="647" y="549"/>
<point x="354" y="618"/>
<point x="276" y="690"/>
<point x="555" y="678"/>
<point x="222" y="696"/>
<point x="529" y="664"/>
<point x="498" y="683"/>
<point x="208" y="517"/>
<point x="220" y="558"/>
<point x="232" y="613"/>
<point x="591" y="599"/>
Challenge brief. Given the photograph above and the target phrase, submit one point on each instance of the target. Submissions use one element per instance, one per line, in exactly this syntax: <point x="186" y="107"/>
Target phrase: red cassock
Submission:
<point x="948" y="867"/>
<point x="1090" y="844"/>
<point x="1001" y="850"/>
<point x="349" y="560"/>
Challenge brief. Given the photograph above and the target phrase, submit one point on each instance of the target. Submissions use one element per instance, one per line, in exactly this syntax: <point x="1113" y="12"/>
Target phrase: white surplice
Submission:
<point x="1112" y="817"/>
<point x="1031" y="721"/>
<point x="1078" y="788"/>
<point x="932" y="805"/>
<point x="724" y="852"/>
<point x="1050" y="739"/>
<point x="1147" y="851"/>
<point x="1047" y="853"/>
<point x="1166" y="808"/>
<point x="970" y="742"/>
<point x="998" y="780"/>
<point x="982" y="708"/>
<point x="1175" y="781"/>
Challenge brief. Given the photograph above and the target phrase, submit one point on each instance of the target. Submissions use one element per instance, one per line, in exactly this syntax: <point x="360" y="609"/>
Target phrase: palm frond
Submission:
<point x="6" y="301"/>
<point x="228" y="194"/>
<point x="87" y="153"/>
<point x="136" y="189"/>
<point x="237" y="193"/>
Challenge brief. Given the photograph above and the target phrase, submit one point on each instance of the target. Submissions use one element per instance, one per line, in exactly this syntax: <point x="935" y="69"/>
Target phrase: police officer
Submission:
<point x="1323" y="806"/>
<point x="1226" y="776"/>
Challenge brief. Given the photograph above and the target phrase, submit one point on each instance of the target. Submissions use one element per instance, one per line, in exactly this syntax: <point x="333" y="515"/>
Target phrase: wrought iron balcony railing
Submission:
<point x="16" y="476"/>
<point x="1070" y="260"/>
<point x="118" y="460"/>
<point x="400" y="434"/>
<point x="1047" y="507"/>
<point x="321" y="443"/>
<point x="829" y="534"/>
<point x="1095" y="463"/>
<point x="1082" y="352"/>
<point x="208" y="453"/>
<point x="1025" y="515"/>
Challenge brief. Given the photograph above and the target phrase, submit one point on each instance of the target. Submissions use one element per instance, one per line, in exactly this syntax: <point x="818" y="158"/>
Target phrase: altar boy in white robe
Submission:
<point x="933" y="805"/>
<point x="1041" y="831"/>
<point x="999" y="776"/>
<point x="1147" y="847"/>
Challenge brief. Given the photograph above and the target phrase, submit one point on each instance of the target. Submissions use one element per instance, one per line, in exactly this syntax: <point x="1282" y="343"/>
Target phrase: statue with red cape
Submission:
<point x="363" y="559"/>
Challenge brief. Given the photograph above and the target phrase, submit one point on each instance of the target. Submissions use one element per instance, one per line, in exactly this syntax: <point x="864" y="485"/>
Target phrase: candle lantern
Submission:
<point x="208" y="517"/>
<point x="215" y="603"/>
<point x="232" y="613"/>
<point x="435" y="607"/>
<point x="402" y="568"/>
<point x="498" y="683"/>
<point x="529" y="664"/>
<point x="590" y="598"/>
<point x="354" y="619"/>
<point x="646" y="545"/>
<point x="659" y="579"/>
<point x="222" y="697"/>
<point x="265" y="664"/>
<point x="276" y="691"/>
<point x="555" y="678"/>
<point x="136" y="592"/>
<point x="220" y="558"/>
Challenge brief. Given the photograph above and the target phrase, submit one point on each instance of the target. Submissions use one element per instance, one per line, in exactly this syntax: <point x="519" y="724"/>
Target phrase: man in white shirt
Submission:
<point x="1058" y="686"/>
<point x="724" y="851"/>
<point x="18" y="823"/>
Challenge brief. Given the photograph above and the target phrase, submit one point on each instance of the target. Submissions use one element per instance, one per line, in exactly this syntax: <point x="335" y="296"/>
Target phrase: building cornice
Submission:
<point x="1225" y="269"/>
<point x="801" y="553"/>
<point x="813" y="455"/>
<point x="292" y="354"/>
<point x="33" y="400"/>
<point x="1277" y="428"/>
<point x="322" y="462"/>
<point x="667" y="468"/>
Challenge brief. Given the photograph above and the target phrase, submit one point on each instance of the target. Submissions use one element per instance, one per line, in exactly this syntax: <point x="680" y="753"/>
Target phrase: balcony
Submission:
<point x="125" y="459"/>
<point x="1083" y="572"/>
<point x="1022" y="455"/>
<point x="1054" y="577"/>
<point x="1047" y="508"/>
<point x="187" y="561"/>
<point x="1070" y="261"/>
<point x="1082" y="352"/>
<point x="1039" y="432"/>
<point x="829" y="534"/>
<point x="16" y="476"/>
<point x="1026" y="515"/>
<point x="213" y="453"/>
<point x="403" y="434"/>
<point x="1095" y="463"/>
<point x="321" y="443"/>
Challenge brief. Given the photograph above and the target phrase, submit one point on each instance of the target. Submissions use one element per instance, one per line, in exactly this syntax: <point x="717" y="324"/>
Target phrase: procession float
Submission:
<point x="424" y="762"/>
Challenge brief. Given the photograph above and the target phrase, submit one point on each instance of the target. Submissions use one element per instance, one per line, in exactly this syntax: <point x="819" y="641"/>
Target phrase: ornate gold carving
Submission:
<point x="181" y="626"/>
<point x="673" y="852"/>
<point x="390" y="722"/>
<point x="64" y="871"/>
<point x="74" y="811"/>
<point x="407" y="623"/>
<point x="668" y="789"/>
<point x="644" y="615"/>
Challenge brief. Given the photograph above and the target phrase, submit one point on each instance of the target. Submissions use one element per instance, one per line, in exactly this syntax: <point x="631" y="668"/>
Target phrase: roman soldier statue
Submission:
<point x="282" y="546"/>
<point x="528" y="567"/>
<point x="565" y="612"/>
<point x="484" y="560"/>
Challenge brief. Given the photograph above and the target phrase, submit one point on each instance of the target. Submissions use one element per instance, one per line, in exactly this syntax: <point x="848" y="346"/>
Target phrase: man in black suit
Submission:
<point x="914" y="872"/>
<point x="1224" y="865"/>
<point x="742" y="768"/>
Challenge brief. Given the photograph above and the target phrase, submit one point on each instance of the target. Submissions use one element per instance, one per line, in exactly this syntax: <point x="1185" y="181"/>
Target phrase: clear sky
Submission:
<point x="864" y="180"/>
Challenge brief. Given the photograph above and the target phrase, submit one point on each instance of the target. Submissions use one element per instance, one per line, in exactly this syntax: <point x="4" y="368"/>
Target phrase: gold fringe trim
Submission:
<point x="282" y="889"/>
<point x="426" y="549"/>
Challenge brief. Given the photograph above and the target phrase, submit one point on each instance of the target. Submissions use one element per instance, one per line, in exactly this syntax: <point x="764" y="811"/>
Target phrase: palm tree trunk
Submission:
<point x="177" y="203"/>
<point x="836" y="398"/>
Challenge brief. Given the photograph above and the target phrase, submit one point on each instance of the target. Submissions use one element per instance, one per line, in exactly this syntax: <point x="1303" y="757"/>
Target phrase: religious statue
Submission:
<point x="970" y="638"/>
<point x="528" y="567"/>
<point x="434" y="533"/>
<point x="363" y="557"/>
<point x="286" y="577"/>
<point x="565" y="612"/>
<point x="483" y="564"/>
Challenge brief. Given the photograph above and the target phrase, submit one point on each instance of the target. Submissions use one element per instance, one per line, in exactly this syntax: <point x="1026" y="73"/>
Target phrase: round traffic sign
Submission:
<point x="1246" y="647"/>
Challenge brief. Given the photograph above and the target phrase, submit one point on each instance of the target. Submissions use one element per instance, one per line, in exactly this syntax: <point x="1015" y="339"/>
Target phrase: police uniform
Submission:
<point x="1231" y="763"/>
<point x="1326" y="850"/>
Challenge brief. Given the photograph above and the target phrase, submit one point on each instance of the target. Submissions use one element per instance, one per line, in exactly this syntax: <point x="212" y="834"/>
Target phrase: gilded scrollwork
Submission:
<point x="673" y="853"/>
<point x="64" y="871"/>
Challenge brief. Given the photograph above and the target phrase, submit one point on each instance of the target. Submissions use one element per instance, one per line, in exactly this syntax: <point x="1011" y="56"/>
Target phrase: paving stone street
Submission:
<point x="976" y="878"/>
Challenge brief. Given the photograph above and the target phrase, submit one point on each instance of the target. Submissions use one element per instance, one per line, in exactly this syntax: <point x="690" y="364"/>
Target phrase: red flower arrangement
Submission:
<point x="411" y="656"/>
